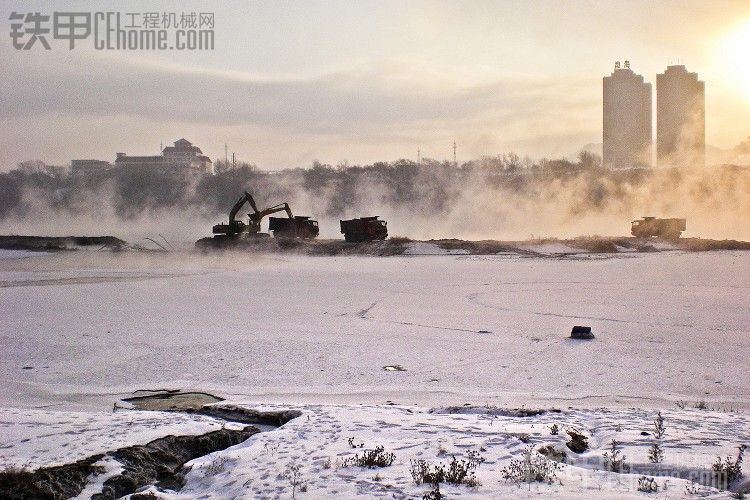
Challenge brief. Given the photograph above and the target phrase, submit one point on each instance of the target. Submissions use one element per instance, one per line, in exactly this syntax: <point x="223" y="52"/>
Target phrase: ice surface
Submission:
<point x="669" y="326"/>
<point x="19" y="254"/>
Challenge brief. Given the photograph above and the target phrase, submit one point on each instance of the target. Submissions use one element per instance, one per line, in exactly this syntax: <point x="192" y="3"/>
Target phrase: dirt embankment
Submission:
<point x="57" y="243"/>
<point x="401" y="246"/>
<point x="161" y="461"/>
<point x="158" y="462"/>
<point x="65" y="481"/>
<point x="389" y="247"/>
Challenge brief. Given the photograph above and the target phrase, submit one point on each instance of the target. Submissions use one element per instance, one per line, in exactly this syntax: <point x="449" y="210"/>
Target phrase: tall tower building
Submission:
<point x="627" y="119"/>
<point x="680" y="118"/>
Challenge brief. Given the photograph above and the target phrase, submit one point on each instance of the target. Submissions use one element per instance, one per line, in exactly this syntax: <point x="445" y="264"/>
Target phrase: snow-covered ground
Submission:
<point x="36" y="438"/>
<point x="81" y="330"/>
<point x="321" y="440"/>
<point x="318" y="442"/>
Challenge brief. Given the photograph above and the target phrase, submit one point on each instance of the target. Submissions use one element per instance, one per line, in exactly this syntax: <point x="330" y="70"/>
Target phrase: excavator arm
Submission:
<point x="235" y="226"/>
<point x="283" y="207"/>
<point x="245" y="198"/>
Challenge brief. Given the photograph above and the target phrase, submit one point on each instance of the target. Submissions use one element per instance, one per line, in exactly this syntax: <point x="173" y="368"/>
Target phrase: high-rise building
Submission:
<point x="627" y="119"/>
<point x="680" y="118"/>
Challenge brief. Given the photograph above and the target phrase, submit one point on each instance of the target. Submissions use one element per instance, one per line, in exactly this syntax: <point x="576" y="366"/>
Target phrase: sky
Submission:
<point x="291" y="82"/>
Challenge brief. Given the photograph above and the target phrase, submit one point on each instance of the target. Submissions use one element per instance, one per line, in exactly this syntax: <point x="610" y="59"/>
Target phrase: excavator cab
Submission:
<point x="232" y="229"/>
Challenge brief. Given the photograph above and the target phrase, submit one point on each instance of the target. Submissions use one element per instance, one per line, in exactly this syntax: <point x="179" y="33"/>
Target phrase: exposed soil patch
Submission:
<point x="492" y="410"/>
<point x="173" y="400"/>
<point x="202" y="403"/>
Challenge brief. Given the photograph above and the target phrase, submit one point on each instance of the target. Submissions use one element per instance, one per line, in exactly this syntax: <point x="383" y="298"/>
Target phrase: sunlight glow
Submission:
<point x="734" y="50"/>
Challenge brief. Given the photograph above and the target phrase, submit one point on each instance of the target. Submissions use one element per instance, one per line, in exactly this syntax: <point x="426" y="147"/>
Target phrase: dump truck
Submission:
<point x="648" y="227"/>
<point x="364" y="229"/>
<point x="298" y="226"/>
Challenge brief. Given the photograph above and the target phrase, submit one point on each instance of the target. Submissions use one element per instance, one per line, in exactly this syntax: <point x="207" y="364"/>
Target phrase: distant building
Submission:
<point x="182" y="155"/>
<point x="680" y="118"/>
<point x="626" y="119"/>
<point x="89" y="167"/>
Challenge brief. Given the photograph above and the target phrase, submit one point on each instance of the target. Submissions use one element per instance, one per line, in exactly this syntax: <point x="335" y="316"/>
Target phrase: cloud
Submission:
<point x="395" y="95"/>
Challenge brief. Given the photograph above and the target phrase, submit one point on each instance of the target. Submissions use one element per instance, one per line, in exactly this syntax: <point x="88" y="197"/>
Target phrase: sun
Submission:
<point x="734" y="50"/>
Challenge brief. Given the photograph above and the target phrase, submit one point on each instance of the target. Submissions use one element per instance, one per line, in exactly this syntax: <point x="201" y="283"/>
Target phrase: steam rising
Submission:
<point x="501" y="197"/>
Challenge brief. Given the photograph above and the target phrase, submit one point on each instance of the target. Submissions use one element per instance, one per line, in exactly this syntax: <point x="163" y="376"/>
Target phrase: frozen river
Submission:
<point x="81" y="329"/>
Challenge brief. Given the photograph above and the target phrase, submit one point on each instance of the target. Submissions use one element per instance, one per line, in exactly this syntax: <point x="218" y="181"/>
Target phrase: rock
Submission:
<point x="581" y="333"/>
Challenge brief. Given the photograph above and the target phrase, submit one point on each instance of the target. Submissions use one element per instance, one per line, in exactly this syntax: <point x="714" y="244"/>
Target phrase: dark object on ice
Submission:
<point x="669" y="229"/>
<point x="394" y="368"/>
<point x="581" y="333"/>
<point x="364" y="229"/>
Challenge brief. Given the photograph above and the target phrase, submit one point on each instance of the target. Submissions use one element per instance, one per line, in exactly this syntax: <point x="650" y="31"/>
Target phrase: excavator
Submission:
<point x="298" y="226"/>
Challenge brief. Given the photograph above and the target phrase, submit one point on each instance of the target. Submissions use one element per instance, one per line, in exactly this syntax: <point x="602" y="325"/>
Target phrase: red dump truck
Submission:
<point x="364" y="229"/>
<point x="297" y="226"/>
<point x="648" y="227"/>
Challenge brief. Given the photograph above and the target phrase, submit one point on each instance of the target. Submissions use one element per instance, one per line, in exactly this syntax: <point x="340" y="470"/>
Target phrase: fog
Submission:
<point x="501" y="197"/>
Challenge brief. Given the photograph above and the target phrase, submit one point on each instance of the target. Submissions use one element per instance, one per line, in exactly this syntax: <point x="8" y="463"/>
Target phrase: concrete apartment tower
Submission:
<point x="680" y="118"/>
<point x="627" y="119"/>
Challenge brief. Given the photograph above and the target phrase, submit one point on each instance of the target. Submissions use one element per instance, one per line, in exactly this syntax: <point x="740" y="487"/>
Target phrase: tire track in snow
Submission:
<point x="474" y="298"/>
<point x="362" y="314"/>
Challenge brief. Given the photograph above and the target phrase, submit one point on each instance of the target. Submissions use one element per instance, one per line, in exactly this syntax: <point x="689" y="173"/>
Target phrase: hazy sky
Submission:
<point x="290" y="82"/>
